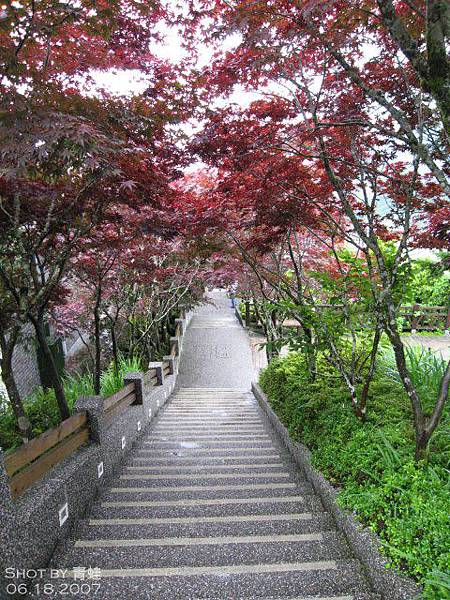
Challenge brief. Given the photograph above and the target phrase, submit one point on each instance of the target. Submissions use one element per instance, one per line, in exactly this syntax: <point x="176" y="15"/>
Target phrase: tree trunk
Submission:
<point x="114" y="349"/>
<point x="370" y="374"/>
<point x="310" y="352"/>
<point x="97" y="342"/>
<point x="247" y="313"/>
<point x="39" y="326"/>
<point x="7" y="345"/>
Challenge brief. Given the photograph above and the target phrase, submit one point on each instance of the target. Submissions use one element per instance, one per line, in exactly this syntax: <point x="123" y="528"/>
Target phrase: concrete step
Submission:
<point x="210" y="416"/>
<point x="290" y="523"/>
<point x="145" y="494"/>
<point x="206" y="507"/>
<point x="235" y="442"/>
<point x="238" y="468"/>
<point x="136" y="474"/>
<point x="325" y="580"/>
<point x="207" y="420"/>
<point x="238" y="476"/>
<point x="113" y="553"/>
<point x="181" y="428"/>
<point x="174" y="459"/>
<point x="186" y="451"/>
<point x="226" y="434"/>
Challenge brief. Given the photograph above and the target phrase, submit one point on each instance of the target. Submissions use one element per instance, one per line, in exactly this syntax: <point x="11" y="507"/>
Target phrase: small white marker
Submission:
<point x="149" y="413"/>
<point x="124" y="442"/>
<point x="63" y="514"/>
<point x="100" y="470"/>
<point x="157" y="402"/>
<point x="138" y="425"/>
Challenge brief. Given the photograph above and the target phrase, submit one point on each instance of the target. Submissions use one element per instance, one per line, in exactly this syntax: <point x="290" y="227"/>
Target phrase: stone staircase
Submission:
<point x="211" y="505"/>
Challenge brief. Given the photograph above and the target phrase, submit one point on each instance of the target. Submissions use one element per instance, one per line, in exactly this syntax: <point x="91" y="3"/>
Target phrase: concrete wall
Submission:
<point x="25" y="366"/>
<point x="30" y="526"/>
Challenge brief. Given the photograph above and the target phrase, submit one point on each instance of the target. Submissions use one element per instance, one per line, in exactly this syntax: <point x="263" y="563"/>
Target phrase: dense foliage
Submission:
<point x="371" y="463"/>
<point x="429" y="282"/>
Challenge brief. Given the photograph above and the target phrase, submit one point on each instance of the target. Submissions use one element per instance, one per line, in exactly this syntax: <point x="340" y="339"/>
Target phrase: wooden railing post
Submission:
<point x="179" y="323"/>
<point x="174" y="346"/>
<point x="158" y="366"/>
<point x="171" y="361"/>
<point x="415" y="318"/>
<point x="138" y="380"/>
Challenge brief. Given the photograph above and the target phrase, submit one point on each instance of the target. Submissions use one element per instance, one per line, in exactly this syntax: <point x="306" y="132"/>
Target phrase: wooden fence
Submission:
<point x="33" y="460"/>
<point x="119" y="401"/>
<point x="425" y="318"/>
<point x="417" y="317"/>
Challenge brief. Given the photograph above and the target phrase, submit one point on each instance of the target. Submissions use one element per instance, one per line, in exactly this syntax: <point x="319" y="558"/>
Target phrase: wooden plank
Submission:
<point x="111" y="400"/>
<point x="23" y="480"/>
<point x="167" y="370"/>
<point x="178" y="330"/>
<point x="34" y="448"/>
<point x="150" y="374"/>
<point x="152" y="381"/>
<point x="120" y="406"/>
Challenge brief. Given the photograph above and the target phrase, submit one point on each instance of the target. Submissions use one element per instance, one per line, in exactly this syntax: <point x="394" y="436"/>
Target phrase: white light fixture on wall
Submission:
<point x="63" y="514"/>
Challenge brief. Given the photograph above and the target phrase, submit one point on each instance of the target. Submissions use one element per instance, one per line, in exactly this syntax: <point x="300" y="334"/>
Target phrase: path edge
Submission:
<point x="363" y="542"/>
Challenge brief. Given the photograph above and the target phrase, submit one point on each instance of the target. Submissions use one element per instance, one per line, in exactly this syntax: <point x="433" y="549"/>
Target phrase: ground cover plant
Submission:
<point x="372" y="462"/>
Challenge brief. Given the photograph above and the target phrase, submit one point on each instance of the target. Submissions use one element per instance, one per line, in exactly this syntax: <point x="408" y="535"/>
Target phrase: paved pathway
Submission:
<point x="211" y="505"/>
<point x="216" y="351"/>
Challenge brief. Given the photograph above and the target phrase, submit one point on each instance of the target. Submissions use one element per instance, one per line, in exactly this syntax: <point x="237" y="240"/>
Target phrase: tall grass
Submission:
<point x="439" y="582"/>
<point x="111" y="380"/>
<point x="425" y="367"/>
<point x="76" y="386"/>
<point x="426" y="372"/>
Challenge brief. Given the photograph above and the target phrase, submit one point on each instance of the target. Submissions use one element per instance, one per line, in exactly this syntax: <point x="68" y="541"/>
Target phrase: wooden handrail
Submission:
<point x="34" y="459"/>
<point x="24" y="479"/>
<point x="36" y="447"/>
<point x="110" y="401"/>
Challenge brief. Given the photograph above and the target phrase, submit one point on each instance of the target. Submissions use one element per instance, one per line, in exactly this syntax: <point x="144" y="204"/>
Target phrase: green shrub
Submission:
<point x="371" y="463"/>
